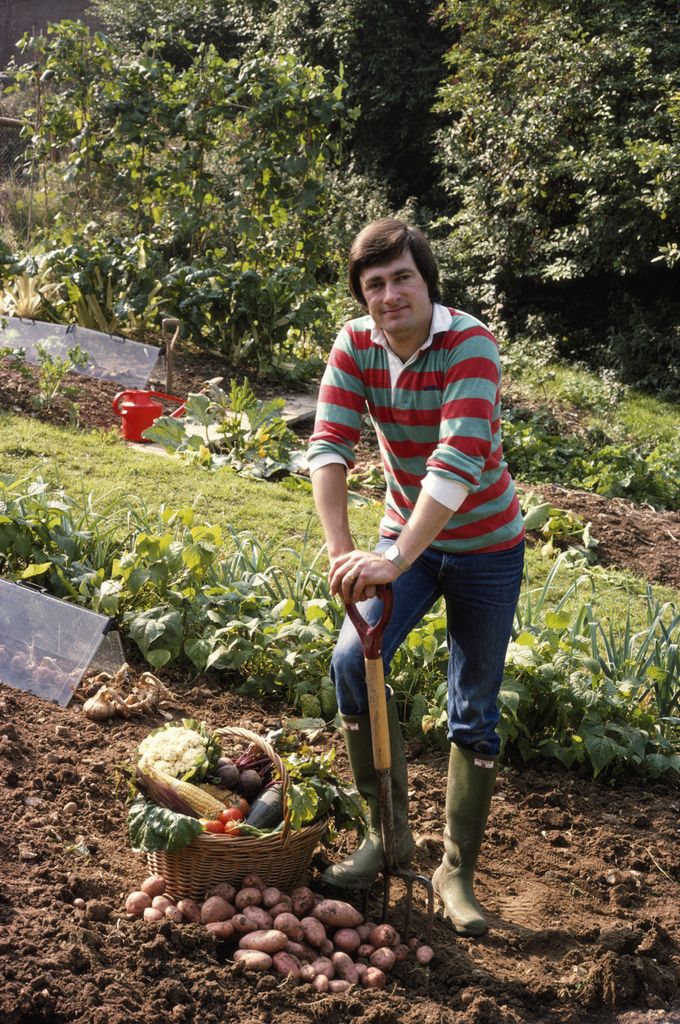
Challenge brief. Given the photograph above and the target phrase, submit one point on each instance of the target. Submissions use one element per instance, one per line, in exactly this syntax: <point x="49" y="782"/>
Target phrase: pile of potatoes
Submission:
<point x="302" y="936"/>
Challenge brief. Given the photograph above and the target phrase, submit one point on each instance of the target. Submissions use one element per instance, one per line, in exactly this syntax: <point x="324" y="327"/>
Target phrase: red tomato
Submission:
<point x="212" y="826"/>
<point x="242" y="805"/>
<point x="232" y="814"/>
<point x="231" y="828"/>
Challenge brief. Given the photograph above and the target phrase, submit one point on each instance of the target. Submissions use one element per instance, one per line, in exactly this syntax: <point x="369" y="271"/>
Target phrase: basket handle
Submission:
<point x="252" y="737"/>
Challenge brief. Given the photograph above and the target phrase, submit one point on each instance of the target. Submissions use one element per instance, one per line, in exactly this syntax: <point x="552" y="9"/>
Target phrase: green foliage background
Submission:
<point x="561" y="158"/>
<point x="211" y="161"/>
<point x="203" y="184"/>
<point x="591" y="676"/>
<point x="390" y="55"/>
<point x="223" y="152"/>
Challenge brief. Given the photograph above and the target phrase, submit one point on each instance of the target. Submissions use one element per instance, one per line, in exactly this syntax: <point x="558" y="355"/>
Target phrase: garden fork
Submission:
<point x="371" y="642"/>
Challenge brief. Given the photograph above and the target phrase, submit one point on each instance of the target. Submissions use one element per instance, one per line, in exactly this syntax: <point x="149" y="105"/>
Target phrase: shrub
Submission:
<point x="558" y="157"/>
<point x="209" y="178"/>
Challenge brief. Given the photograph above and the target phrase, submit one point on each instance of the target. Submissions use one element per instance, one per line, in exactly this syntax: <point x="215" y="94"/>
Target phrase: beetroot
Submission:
<point x="249" y="784"/>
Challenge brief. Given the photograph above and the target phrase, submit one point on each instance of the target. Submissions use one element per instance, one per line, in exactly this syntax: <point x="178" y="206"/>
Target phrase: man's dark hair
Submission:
<point x="384" y="240"/>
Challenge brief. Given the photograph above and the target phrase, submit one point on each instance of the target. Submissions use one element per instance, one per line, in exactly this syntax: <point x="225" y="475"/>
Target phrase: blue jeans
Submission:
<point x="481" y="592"/>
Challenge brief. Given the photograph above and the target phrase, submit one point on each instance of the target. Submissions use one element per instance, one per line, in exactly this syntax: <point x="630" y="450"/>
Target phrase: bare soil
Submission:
<point x="580" y="879"/>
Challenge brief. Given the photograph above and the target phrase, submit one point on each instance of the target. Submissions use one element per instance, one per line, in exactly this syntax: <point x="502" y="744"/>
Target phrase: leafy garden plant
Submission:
<point x="52" y="370"/>
<point x="578" y="688"/>
<point x="236" y="430"/>
<point x="538" y="449"/>
<point x="15" y="359"/>
<point x="556" y="526"/>
<point x="202" y="182"/>
<point x="556" y="186"/>
<point x="28" y="295"/>
<point x="575" y="688"/>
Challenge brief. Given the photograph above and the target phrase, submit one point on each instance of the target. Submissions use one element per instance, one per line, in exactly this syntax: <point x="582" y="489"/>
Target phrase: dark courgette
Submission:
<point x="267" y="810"/>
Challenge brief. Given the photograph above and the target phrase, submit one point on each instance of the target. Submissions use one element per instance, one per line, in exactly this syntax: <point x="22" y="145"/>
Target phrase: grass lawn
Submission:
<point x="113" y="472"/>
<point x="116" y="474"/>
<point x="640" y="416"/>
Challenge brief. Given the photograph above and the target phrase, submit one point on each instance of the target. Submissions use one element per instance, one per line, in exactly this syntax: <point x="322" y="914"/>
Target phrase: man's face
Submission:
<point x="397" y="298"/>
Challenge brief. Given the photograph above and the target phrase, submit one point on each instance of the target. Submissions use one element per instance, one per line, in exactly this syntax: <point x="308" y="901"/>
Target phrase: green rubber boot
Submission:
<point x="468" y="799"/>
<point x="361" y="868"/>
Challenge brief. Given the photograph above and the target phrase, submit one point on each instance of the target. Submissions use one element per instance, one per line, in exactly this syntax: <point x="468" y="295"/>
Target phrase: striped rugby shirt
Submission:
<point x="437" y="418"/>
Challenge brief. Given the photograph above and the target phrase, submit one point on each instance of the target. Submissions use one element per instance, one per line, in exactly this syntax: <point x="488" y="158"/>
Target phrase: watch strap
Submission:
<point x="394" y="555"/>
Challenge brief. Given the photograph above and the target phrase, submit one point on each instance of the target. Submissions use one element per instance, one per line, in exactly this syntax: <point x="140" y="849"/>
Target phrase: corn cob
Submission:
<point x="205" y="805"/>
<point x="219" y="792"/>
<point x="162" y="795"/>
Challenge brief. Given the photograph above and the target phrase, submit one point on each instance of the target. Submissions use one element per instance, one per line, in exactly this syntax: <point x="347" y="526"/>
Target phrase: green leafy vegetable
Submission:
<point x="155" y="828"/>
<point x="314" y="789"/>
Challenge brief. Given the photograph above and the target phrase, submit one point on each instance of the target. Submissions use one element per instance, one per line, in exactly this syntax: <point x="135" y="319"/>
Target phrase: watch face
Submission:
<point x="394" y="555"/>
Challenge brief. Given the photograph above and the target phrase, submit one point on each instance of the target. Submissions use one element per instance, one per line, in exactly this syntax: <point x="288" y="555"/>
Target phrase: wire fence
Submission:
<point x="12" y="147"/>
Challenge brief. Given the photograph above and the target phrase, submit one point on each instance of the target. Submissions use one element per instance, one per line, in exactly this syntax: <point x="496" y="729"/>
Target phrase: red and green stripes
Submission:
<point x="442" y="417"/>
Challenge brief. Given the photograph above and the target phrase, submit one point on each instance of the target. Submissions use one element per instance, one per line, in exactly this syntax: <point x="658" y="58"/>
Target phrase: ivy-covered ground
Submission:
<point x="580" y="878"/>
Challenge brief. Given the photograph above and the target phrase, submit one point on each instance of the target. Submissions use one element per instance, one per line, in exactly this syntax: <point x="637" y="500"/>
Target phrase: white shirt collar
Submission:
<point x="441" y="321"/>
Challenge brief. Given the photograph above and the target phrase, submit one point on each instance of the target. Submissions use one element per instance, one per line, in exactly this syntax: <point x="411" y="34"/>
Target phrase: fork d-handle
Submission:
<point x="371" y="642"/>
<point x="371" y="636"/>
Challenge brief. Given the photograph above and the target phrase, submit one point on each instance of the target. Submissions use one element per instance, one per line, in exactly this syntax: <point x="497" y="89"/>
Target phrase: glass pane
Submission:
<point x="110" y="358"/>
<point x="45" y="644"/>
<point x="28" y="334"/>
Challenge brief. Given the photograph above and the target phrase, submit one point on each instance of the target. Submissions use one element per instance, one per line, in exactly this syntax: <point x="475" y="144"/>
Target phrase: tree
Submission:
<point x="228" y="25"/>
<point x="561" y="161"/>
<point x="209" y="179"/>
<point x="391" y="57"/>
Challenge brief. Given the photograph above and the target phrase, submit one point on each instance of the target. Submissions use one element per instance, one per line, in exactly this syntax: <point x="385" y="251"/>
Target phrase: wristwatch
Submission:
<point x="393" y="554"/>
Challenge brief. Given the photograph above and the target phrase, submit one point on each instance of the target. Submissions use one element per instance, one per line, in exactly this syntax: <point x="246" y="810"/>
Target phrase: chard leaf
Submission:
<point x="315" y="791"/>
<point x="166" y="431"/>
<point x="303" y="802"/>
<point x="537" y="516"/>
<point x="153" y="828"/>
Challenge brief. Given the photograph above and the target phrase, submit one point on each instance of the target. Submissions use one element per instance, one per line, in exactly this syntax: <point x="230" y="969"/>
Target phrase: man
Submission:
<point x="430" y="378"/>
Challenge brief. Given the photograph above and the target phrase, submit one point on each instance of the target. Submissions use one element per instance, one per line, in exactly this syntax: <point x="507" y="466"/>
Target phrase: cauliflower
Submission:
<point x="177" y="750"/>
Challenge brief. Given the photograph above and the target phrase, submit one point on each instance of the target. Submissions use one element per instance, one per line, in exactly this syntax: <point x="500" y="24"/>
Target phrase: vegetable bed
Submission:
<point x="580" y="881"/>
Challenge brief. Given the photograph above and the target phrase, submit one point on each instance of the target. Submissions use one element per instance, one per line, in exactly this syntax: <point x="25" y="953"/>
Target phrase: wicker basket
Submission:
<point x="281" y="859"/>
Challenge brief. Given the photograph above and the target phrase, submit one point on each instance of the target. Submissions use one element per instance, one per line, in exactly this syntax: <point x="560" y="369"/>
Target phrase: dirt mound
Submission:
<point x="634" y="537"/>
<point x="580" y="881"/>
